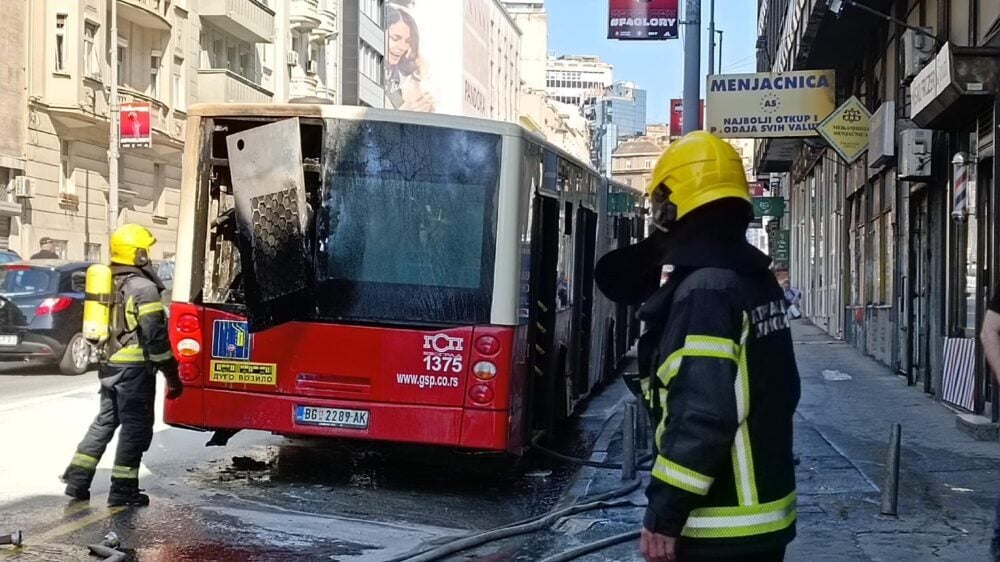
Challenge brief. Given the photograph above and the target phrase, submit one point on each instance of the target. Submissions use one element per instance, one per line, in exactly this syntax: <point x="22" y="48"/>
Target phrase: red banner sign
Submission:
<point x="677" y="118"/>
<point x="643" y="20"/>
<point x="133" y="125"/>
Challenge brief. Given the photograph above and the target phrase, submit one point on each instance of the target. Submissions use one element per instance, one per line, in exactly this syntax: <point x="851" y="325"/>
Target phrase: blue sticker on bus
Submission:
<point x="230" y="340"/>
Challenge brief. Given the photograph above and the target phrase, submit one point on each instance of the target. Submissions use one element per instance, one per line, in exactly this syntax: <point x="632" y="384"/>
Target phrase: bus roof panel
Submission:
<point x="357" y="113"/>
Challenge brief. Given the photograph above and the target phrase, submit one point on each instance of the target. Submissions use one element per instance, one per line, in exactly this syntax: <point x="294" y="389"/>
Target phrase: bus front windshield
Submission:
<point x="407" y="223"/>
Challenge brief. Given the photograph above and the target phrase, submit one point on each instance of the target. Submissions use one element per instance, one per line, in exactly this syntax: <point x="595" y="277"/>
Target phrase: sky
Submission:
<point x="579" y="27"/>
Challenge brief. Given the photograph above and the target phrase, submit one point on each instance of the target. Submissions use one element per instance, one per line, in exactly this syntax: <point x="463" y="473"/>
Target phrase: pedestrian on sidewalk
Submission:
<point x="990" y="338"/>
<point x="138" y="347"/>
<point x="792" y="296"/>
<point x="46" y="250"/>
<point x="716" y="364"/>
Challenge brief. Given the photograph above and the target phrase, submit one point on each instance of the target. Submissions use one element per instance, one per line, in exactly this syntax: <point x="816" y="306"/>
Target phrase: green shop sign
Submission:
<point x="781" y="246"/>
<point x="768" y="206"/>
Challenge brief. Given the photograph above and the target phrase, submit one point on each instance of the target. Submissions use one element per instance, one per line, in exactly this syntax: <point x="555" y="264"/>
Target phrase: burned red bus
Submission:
<point x="373" y="274"/>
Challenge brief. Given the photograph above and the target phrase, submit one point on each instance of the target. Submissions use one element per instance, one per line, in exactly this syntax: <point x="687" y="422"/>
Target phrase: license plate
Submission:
<point x="332" y="417"/>
<point x="8" y="340"/>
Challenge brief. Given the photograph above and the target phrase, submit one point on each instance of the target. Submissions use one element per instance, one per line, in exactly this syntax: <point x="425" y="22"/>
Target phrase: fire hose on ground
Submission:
<point x="527" y="526"/>
<point x="546" y="520"/>
<point x="592" y="547"/>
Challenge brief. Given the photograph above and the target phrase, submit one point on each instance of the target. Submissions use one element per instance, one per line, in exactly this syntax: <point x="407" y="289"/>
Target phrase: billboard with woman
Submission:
<point x="407" y="72"/>
<point x="437" y="56"/>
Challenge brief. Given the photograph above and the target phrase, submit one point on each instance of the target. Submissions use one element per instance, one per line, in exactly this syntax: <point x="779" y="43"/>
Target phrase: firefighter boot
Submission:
<point x="78" y="476"/>
<point x="126" y="492"/>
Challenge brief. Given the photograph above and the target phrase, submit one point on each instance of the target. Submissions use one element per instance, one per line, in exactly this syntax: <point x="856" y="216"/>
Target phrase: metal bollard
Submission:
<point x="14" y="539"/>
<point x="628" y="440"/>
<point x="890" y="489"/>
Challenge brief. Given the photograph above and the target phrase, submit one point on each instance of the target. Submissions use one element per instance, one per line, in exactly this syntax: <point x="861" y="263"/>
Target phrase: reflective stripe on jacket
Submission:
<point x="720" y="380"/>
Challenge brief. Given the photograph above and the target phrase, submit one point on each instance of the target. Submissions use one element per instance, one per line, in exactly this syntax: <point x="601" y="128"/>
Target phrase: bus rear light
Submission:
<point x="484" y="371"/>
<point x="188" y="347"/>
<point x="188" y="371"/>
<point x="481" y="394"/>
<point x="188" y="323"/>
<point x="488" y="346"/>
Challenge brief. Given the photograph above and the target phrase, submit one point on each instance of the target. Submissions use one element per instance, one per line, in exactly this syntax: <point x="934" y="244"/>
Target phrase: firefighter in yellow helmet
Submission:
<point x="138" y="347"/>
<point x="716" y="365"/>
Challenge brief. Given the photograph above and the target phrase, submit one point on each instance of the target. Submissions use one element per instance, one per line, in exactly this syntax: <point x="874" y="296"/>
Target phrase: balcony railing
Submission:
<point x="304" y="14"/>
<point x="219" y="85"/>
<point x="249" y="20"/>
<point x="151" y="14"/>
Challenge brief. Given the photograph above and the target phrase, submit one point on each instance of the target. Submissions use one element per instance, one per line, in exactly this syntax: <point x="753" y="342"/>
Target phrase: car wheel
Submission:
<point x="76" y="358"/>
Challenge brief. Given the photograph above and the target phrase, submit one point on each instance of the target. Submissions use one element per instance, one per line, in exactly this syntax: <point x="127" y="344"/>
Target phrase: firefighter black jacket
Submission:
<point x="719" y="376"/>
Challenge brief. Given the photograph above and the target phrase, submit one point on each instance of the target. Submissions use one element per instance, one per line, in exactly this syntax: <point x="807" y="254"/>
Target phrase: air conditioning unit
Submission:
<point x="22" y="187"/>
<point x="915" y="151"/>
<point x="293" y="58"/>
<point x="312" y="67"/>
<point x="918" y="50"/>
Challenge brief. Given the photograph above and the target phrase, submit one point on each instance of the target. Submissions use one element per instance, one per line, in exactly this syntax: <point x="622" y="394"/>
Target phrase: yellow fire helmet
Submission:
<point x="130" y="245"/>
<point x="697" y="169"/>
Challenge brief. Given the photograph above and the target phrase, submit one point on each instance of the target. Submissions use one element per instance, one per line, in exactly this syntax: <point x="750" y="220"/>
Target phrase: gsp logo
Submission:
<point x="442" y="343"/>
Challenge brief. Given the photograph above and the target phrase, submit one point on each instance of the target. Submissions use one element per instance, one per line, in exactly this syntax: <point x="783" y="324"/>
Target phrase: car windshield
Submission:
<point x="18" y="281"/>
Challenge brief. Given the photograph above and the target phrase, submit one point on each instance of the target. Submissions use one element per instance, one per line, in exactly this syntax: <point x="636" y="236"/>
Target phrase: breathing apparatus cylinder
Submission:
<point x="97" y="304"/>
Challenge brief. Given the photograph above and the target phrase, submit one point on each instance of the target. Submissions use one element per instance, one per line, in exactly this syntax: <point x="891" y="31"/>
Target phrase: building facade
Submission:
<point x="559" y="123"/>
<point x="897" y="253"/>
<point x="633" y="160"/>
<point x="532" y="19"/>
<point x="573" y="79"/>
<point x="13" y="103"/>
<point x="65" y="186"/>
<point x="616" y="114"/>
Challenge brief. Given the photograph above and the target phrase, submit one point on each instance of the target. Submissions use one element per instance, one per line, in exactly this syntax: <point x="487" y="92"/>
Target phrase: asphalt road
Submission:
<point x="260" y="498"/>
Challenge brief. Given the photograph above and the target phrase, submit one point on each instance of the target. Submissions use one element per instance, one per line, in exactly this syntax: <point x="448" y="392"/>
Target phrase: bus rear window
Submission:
<point x="407" y="225"/>
<point x="405" y="233"/>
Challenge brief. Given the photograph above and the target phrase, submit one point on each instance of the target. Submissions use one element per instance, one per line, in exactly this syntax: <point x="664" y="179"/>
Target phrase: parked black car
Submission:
<point x="41" y="313"/>
<point x="7" y="256"/>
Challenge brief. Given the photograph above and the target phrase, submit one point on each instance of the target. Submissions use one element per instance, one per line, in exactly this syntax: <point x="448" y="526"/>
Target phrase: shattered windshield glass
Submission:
<point x="407" y="224"/>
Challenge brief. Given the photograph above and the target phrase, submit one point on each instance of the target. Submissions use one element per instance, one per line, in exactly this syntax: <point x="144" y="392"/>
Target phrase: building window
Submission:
<point x="160" y="190"/>
<point x="372" y="9"/>
<point x="231" y="57"/>
<point x="649" y="163"/>
<point x="92" y="252"/>
<point x="67" y="183"/>
<point x="628" y="164"/>
<point x="59" y="247"/>
<point x="91" y="59"/>
<point x="61" y="42"/>
<point x="370" y="63"/>
<point x="154" y="74"/>
<point x="219" y="52"/>
<point x="177" y="88"/>
<point x="122" y="61"/>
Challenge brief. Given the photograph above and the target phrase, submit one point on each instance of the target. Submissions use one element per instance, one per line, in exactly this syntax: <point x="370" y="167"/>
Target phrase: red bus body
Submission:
<point x="538" y="343"/>
<point x="380" y="370"/>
